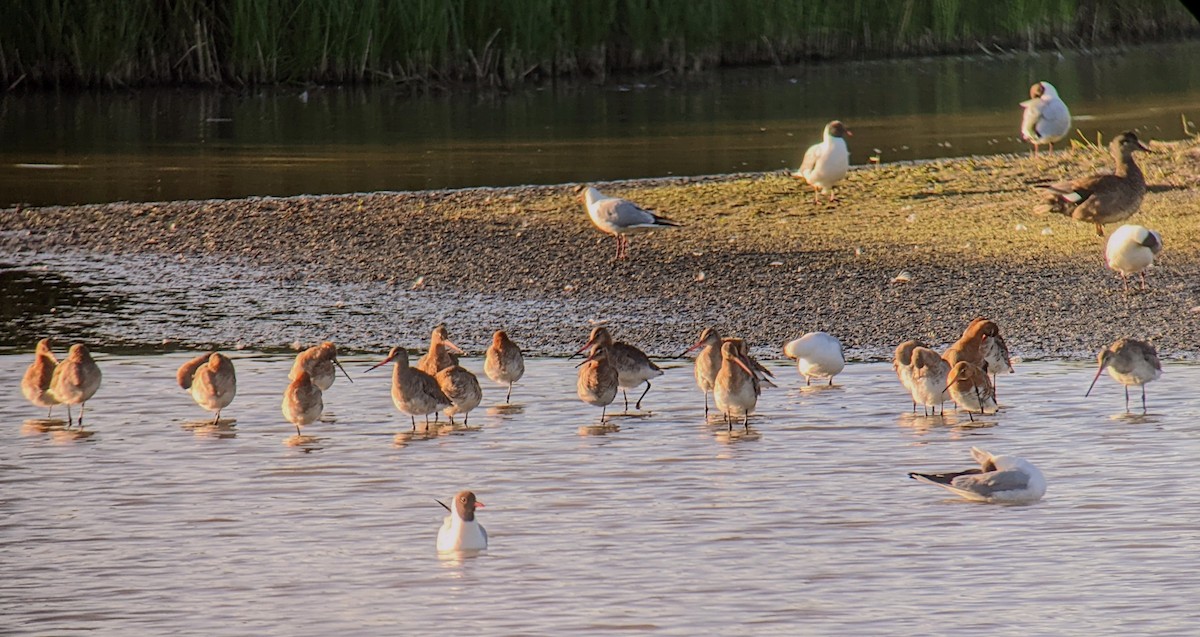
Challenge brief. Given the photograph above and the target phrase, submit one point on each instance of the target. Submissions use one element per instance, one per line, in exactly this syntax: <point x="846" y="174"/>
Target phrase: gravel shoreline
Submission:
<point x="756" y="258"/>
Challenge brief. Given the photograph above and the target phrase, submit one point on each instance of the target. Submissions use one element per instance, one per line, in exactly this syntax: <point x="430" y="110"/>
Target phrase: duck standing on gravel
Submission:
<point x="1046" y="119"/>
<point x="1131" y="249"/>
<point x="620" y="217"/>
<point x="1102" y="199"/>
<point x="827" y="163"/>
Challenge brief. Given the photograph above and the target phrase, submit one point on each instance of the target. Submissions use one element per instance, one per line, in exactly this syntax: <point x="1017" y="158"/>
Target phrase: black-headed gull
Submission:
<point x="1129" y="362"/>
<point x="826" y="163"/>
<point x="999" y="479"/>
<point x="1102" y="199"/>
<point x="1131" y="249"/>
<point x="817" y="355"/>
<point x="620" y="217"/>
<point x="460" y="530"/>
<point x="1046" y="118"/>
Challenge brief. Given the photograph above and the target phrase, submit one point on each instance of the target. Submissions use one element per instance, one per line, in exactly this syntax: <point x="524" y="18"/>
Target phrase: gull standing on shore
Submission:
<point x="1131" y="249"/>
<point x="1046" y="118"/>
<point x="620" y="217"/>
<point x="35" y="384"/>
<point x="1101" y="199"/>
<point x="503" y="362"/>
<point x="413" y="391"/>
<point x="999" y="479"/>
<point x="708" y="361"/>
<point x="817" y="355"/>
<point x="826" y="163"/>
<point x="319" y="361"/>
<point x="211" y="381"/>
<point x="75" y="380"/>
<point x="460" y="530"/>
<point x="632" y="365"/>
<point x="302" y="401"/>
<point x="1129" y="362"/>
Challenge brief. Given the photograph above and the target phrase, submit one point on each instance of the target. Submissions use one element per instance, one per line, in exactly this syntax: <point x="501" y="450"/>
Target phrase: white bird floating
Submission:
<point x="817" y="355"/>
<point x="1131" y="249"/>
<point x="460" y="530"/>
<point x="999" y="479"/>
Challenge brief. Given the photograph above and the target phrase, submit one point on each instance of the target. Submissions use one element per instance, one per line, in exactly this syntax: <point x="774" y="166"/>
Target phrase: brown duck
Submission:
<point x="1102" y="199"/>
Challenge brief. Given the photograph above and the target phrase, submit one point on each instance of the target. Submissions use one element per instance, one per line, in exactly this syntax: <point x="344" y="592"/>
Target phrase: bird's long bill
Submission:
<point x="743" y="366"/>
<point x="439" y="501"/>
<point x="580" y="350"/>
<point x="380" y="364"/>
<point x="1094" y="379"/>
<point x="453" y="348"/>
<point x="691" y="349"/>
<point x="478" y="504"/>
<point x="590" y="358"/>
<point x="1144" y="147"/>
<point x="344" y="373"/>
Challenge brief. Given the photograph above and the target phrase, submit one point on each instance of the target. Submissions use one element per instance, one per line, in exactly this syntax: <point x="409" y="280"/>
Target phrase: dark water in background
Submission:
<point x="192" y="144"/>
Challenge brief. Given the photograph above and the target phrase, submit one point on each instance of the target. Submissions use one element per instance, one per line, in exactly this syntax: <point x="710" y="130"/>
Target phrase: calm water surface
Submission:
<point x="187" y="144"/>
<point x="156" y="524"/>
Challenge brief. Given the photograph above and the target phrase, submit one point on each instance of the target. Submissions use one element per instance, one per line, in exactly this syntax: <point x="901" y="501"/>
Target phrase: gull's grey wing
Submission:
<point x="623" y="213"/>
<point x="992" y="482"/>
<point x="810" y="158"/>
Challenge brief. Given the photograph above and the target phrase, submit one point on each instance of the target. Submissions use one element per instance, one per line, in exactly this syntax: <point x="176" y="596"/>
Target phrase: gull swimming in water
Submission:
<point x="1046" y="118"/>
<point x="620" y="217"/>
<point x="826" y="163"/>
<point x="460" y="530"/>
<point x="999" y="479"/>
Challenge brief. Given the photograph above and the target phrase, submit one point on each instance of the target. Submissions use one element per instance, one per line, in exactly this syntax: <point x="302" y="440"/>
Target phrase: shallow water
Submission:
<point x="156" y="524"/>
<point x="187" y="144"/>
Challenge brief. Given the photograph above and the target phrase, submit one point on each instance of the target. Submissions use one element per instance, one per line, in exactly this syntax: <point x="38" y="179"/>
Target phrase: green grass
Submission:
<point x="89" y="43"/>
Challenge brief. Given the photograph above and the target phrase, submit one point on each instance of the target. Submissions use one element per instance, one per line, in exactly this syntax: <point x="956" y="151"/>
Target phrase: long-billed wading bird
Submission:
<point x="319" y="361"/>
<point x="462" y="388"/>
<point x="620" y="217"/>
<point x="708" y="361"/>
<point x="971" y="389"/>
<point x="436" y="359"/>
<point x="302" y="401"/>
<point x="35" y="384"/>
<point x="503" y="362"/>
<point x="75" y="380"/>
<point x="210" y="380"/>
<point x="735" y="390"/>
<point x="413" y="391"/>
<point x="598" y="380"/>
<point x="1129" y="362"/>
<point x="632" y="365"/>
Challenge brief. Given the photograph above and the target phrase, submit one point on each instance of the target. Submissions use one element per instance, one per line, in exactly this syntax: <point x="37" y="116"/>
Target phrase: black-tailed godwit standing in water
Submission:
<point x="319" y="361"/>
<point x="735" y="390"/>
<point x="971" y="389"/>
<point x="620" y="217"/>
<point x="632" y="365"/>
<point x="1129" y="362"/>
<point x="1046" y="118"/>
<point x="928" y="373"/>
<point x="817" y="355"/>
<point x="461" y="386"/>
<point x="413" y="391"/>
<point x="75" y="380"/>
<point x="503" y="362"/>
<point x="1101" y="199"/>
<point x="302" y="401"/>
<point x="598" y="380"/>
<point x="992" y="347"/>
<point x="902" y="365"/>
<point x="708" y="361"/>
<point x="1130" y="250"/>
<point x="35" y="384"/>
<point x="211" y="381"/>
<point x="435" y="360"/>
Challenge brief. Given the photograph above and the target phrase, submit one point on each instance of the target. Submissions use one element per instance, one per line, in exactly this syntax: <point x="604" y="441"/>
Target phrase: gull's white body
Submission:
<point x="1046" y="119"/>
<point x="458" y="533"/>
<point x="1013" y="480"/>
<point x="1131" y="249"/>
<point x="825" y="164"/>
<point x="817" y="354"/>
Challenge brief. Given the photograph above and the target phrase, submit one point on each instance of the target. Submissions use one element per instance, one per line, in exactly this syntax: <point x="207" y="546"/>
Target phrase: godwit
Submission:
<point x="413" y="391"/>
<point x="999" y="479"/>
<point x="302" y="401"/>
<point x="762" y="375"/>
<point x="817" y="355"/>
<point x="1131" y="249"/>
<point x="1129" y="362"/>
<point x="210" y="379"/>
<point x="928" y="373"/>
<point x="75" y="380"/>
<point x="632" y="365"/>
<point x="827" y="163"/>
<point x="461" y="531"/>
<point x="319" y="361"/>
<point x="735" y="390"/>
<point x="708" y="361"/>
<point x="598" y="379"/>
<point x="461" y="387"/>
<point x="35" y="385"/>
<point x="503" y="362"/>
<point x="902" y="364"/>
<point x="970" y="388"/>
<point x="1046" y="119"/>
<point x="992" y="346"/>
<point x="620" y="217"/>
<point x="435" y="360"/>
<point x="1101" y="199"/>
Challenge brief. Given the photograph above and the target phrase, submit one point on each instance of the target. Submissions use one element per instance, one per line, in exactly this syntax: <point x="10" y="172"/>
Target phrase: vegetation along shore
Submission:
<point x="909" y="250"/>
<point x="239" y="42"/>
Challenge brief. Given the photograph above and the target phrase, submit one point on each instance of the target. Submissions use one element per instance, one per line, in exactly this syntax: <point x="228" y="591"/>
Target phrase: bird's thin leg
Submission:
<point x="297" y="431"/>
<point x="626" y="399"/>
<point x="80" y="421"/>
<point x="1143" y="400"/>
<point x="68" y="415"/>
<point x="466" y="418"/>
<point x="603" y="412"/>
<point x="451" y="419"/>
<point x="807" y="381"/>
<point x="638" y="405"/>
<point x="1099" y="229"/>
<point x="1127" y="399"/>
<point x="914" y="407"/>
<point x="217" y="419"/>
<point x="414" y="422"/>
<point x="706" y="405"/>
<point x="746" y="421"/>
<point x="926" y="410"/>
<point x="831" y="381"/>
<point x="508" y="398"/>
<point x="971" y="415"/>
<point x="816" y="195"/>
<point x="1143" y="275"/>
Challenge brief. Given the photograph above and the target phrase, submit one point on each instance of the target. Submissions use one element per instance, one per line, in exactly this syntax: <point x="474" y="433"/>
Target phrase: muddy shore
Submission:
<point x="756" y="257"/>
